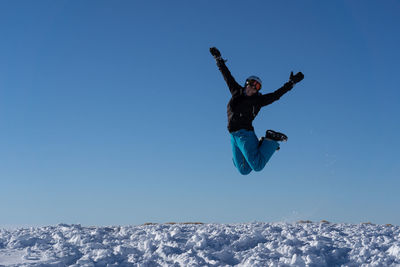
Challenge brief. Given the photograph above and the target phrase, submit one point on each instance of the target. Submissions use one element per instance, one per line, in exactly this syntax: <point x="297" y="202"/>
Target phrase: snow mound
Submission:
<point x="251" y="244"/>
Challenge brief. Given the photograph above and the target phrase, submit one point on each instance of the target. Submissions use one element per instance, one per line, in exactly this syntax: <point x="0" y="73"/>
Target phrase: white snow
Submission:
<point x="250" y="244"/>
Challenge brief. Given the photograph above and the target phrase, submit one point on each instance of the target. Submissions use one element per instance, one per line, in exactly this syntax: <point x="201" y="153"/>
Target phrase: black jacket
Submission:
<point x="243" y="109"/>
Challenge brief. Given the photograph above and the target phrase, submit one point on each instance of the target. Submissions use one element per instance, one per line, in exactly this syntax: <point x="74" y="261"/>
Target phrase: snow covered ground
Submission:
<point x="250" y="244"/>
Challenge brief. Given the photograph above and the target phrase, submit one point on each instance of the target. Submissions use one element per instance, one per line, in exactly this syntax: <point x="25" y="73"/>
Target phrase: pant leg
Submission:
<point x="239" y="160"/>
<point x="268" y="148"/>
<point x="256" y="157"/>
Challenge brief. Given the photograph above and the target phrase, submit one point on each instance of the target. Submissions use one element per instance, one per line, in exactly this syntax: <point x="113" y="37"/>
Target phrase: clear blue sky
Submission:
<point x="114" y="112"/>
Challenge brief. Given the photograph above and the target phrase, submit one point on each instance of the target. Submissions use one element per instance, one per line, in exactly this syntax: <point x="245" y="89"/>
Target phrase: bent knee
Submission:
<point x="258" y="168"/>
<point x="245" y="171"/>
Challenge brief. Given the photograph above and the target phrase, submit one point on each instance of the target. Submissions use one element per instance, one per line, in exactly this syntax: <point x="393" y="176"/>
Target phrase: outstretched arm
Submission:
<point x="272" y="97"/>
<point x="234" y="87"/>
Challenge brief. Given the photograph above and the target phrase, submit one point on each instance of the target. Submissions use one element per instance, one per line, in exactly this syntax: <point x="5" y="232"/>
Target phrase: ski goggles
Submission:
<point x="254" y="84"/>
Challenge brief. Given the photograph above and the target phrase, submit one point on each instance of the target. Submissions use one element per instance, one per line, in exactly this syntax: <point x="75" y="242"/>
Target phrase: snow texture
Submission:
<point x="250" y="244"/>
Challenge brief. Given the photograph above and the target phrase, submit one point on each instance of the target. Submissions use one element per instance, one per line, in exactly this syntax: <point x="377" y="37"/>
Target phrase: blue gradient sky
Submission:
<point x="113" y="112"/>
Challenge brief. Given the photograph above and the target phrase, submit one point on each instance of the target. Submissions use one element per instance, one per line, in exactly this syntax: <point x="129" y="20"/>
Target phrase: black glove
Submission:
<point x="215" y="53"/>
<point x="296" y="78"/>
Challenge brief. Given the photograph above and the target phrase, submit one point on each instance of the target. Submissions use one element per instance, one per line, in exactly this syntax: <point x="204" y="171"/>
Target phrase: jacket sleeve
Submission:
<point x="267" y="99"/>
<point x="234" y="87"/>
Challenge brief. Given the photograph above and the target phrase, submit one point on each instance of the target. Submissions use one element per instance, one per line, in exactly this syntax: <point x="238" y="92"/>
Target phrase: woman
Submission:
<point x="248" y="152"/>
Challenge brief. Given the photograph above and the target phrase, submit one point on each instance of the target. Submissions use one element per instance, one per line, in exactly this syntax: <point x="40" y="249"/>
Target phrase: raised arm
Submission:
<point x="234" y="87"/>
<point x="267" y="99"/>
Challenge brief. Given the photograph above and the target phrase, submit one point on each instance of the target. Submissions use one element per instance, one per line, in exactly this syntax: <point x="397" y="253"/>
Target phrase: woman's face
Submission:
<point x="250" y="90"/>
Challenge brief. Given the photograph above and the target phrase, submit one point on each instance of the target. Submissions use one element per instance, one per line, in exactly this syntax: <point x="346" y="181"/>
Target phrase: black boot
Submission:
<point x="277" y="136"/>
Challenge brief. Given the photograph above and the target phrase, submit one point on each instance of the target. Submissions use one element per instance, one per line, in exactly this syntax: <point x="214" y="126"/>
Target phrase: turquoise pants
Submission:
<point x="247" y="154"/>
